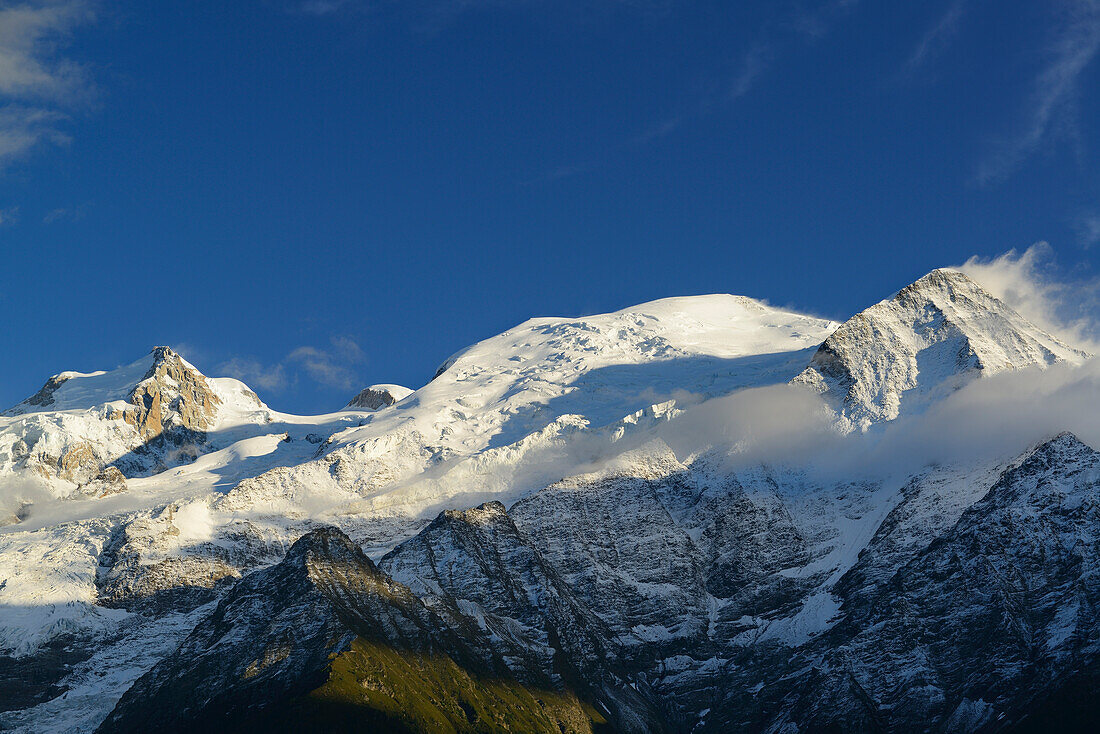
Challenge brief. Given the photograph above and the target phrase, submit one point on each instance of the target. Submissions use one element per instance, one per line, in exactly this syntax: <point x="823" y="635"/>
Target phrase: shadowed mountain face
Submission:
<point x="563" y="540"/>
<point x="326" y="639"/>
<point x="984" y="628"/>
<point x="657" y="613"/>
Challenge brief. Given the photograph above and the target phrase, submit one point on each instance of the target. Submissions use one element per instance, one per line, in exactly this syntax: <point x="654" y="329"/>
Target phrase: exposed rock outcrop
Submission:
<point x="377" y="397"/>
<point x="171" y="395"/>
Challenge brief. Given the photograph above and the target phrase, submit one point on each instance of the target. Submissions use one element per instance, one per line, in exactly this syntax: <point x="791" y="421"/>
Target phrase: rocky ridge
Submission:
<point x="317" y="638"/>
<point x="594" y="568"/>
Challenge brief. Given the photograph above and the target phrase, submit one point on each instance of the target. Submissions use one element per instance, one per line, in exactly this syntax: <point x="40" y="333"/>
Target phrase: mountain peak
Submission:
<point x="172" y="393"/>
<point x="327" y="542"/>
<point x="944" y="276"/>
<point x="162" y="353"/>
<point x="927" y="340"/>
<point x="1065" y="444"/>
<point x="132" y="420"/>
<point x="165" y="355"/>
<point x="946" y="287"/>
<point x="73" y="390"/>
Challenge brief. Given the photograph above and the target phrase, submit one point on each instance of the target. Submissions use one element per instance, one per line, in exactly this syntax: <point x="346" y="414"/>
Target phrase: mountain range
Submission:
<point x="696" y="514"/>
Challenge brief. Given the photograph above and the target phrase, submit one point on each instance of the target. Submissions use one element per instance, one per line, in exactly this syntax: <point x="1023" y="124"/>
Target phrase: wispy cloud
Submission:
<point x="255" y="374"/>
<point x="39" y="84"/>
<point x="1052" y="110"/>
<point x="438" y="12"/>
<point x="30" y="37"/>
<point x="936" y="39"/>
<point x="776" y="36"/>
<point x="756" y="61"/>
<point x="21" y="128"/>
<point x="322" y="7"/>
<point x="9" y="216"/>
<point x="1088" y="229"/>
<point x="1031" y="282"/>
<point x="659" y="130"/>
<point x="65" y="213"/>
<point x="335" y="365"/>
<point x="817" y="20"/>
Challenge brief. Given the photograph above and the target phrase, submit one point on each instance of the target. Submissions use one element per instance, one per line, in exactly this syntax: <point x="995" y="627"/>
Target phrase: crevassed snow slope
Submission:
<point x="603" y="367"/>
<point x="514" y="400"/>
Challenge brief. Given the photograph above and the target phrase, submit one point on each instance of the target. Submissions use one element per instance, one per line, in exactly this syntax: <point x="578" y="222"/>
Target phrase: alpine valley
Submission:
<point x="700" y="514"/>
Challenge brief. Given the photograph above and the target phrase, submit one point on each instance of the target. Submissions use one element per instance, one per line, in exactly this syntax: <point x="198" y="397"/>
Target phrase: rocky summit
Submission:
<point x="699" y="514"/>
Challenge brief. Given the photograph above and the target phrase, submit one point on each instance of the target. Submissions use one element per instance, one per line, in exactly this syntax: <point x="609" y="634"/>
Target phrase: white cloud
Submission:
<point x="937" y="37"/>
<point x="995" y="418"/>
<point x="331" y="366"/>
<point x="255" y="374"/>
<point x="1031" y="284"/>
<point x="21" y="128"/>
<point x="30" y="35"/>
<point x="38" y="83"/>
<point x="1056" y="89"/>
<point x="992" y="419"/>
<point x="999" y="417"/>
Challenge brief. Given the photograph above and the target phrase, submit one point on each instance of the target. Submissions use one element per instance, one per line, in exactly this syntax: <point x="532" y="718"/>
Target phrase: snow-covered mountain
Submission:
<point x="930" y="338"/>
<point x="557" y="533"/>
<point x="88" y="433"/>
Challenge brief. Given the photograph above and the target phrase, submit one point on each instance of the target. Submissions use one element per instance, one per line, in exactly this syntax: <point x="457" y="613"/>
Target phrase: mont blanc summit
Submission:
<point x="574" y="526"/>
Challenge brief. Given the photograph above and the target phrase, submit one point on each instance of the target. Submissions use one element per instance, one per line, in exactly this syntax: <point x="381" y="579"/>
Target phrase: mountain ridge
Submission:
<point x="527" y="501"/>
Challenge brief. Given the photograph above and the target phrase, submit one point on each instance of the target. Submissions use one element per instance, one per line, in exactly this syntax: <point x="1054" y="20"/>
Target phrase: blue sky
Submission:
<point x="317" y="195"/>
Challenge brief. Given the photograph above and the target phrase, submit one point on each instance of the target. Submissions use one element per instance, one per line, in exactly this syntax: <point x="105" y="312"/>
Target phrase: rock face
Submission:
<point x="985" y="628"/>
<point x="477" y="563"/>
<point x="137" y="575"/>
<point x="171" y="395"/>
<point x="325" y="640"/>
<point x="377" y="397"/>
<point x="109" y="481"/>
<point x="658" y="591"/>
<point x="616" y="544"/>
<point x="42" y="399"/>
<point x="979" y="622"/>
<point x="930" y="338"/>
